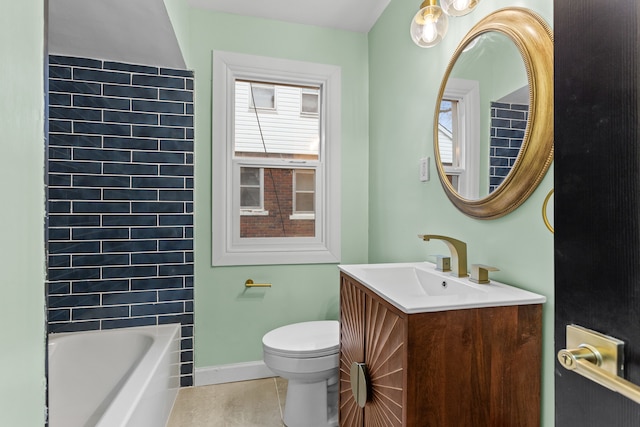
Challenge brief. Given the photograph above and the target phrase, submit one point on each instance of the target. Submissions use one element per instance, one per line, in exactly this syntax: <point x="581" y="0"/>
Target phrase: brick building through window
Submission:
<point x="278" y="217"/>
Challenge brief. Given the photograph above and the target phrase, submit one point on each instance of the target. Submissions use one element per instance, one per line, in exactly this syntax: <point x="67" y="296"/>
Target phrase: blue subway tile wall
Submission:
<point x="120" y="198"/>
<point x="508" y="126"/>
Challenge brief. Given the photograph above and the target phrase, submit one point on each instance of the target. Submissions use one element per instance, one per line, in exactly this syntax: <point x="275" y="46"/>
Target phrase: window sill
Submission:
<point x="299" y="216"/>
<point x="256" y="212"/>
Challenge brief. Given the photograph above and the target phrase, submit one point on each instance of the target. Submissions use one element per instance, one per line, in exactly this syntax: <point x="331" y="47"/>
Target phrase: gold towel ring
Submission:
<point x="544" y="212"/>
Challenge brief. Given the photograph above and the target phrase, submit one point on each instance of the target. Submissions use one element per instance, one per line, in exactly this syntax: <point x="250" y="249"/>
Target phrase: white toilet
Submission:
<point x="307" y="355"/>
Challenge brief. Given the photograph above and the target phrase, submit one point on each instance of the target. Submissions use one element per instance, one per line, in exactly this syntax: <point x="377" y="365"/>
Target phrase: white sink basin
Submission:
<point x="419" y="287"/>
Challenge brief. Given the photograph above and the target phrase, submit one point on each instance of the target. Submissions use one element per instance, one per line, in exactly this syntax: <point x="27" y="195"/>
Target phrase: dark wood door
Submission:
<point x="597" y="196"/>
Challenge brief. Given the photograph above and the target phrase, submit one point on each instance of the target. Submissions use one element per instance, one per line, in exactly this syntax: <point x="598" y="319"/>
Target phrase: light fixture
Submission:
<point x="458" y="7"/>
<point x="430" y="24"/>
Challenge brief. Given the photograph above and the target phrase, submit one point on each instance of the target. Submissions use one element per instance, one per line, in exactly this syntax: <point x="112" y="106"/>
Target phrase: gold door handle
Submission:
<point x="597" y="358"/>
<point x="586" y="365"/>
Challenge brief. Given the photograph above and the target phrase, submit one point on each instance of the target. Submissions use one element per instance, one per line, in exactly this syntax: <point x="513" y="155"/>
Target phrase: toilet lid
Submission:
<point x="306" y="339"/>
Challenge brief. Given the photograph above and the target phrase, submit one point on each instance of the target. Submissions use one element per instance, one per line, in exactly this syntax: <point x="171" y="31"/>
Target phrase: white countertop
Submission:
<point x="418" y="288"/>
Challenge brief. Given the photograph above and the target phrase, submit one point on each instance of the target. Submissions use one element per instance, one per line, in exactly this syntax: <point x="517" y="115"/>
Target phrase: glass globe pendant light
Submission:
<point x="429" y="25"/>
<point x="458" y="7"/>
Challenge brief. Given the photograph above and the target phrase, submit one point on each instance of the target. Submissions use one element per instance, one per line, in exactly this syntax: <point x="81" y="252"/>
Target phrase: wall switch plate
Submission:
<point x="424" y="169"/>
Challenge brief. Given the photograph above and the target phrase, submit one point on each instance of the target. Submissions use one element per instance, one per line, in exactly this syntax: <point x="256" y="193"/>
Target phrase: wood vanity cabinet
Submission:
<point x="459" y="368"/>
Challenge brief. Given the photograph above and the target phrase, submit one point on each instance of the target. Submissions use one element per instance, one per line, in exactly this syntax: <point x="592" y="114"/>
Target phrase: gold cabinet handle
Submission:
<point x="249" y="284"/>
<point x="597" y="357"/>
<point x="359" y="383"/>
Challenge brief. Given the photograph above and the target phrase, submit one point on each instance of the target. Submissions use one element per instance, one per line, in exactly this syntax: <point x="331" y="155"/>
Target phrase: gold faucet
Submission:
<point x="458" y="251"/>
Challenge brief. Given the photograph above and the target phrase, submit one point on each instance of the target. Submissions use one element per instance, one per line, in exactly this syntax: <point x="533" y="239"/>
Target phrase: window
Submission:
<point x="261" y="96"/>
<point x="310" y="101"/>
<point x="450" y="143"/>
<point x="304" y="194"/>
<point x="458" y="141"/>
<point x="276" y="166"/>
<point x="448" y="133"/>
<point x="251" y="190"/>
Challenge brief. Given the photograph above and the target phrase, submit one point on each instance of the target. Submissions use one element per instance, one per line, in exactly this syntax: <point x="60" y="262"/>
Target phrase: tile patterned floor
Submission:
<point x="257" y="403"/>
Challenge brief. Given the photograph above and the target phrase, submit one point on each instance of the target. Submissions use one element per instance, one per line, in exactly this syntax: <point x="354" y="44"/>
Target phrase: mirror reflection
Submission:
<point x="483" y="115"/>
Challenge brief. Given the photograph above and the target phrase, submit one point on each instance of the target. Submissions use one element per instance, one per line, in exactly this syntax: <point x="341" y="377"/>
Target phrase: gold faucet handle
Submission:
<point x="443" y="263"/>
<point x="480" y="273"/>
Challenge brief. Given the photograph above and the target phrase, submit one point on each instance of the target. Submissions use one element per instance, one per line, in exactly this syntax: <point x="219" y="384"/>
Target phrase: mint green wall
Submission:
<point x="403" y="84"/>
<point x="230" y="321"/>
<point x="22" y="266"/>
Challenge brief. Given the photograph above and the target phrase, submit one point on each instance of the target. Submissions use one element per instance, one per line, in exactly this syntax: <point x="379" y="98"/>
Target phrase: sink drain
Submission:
<point x="444" y="284"/>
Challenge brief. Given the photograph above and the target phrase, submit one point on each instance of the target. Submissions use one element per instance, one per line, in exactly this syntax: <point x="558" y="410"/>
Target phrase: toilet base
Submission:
<point x="311" y="404"/>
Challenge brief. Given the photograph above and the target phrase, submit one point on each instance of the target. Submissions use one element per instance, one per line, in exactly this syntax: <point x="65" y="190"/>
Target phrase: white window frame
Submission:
<point x="467" y="95"/>
<point x="227" y="247"/>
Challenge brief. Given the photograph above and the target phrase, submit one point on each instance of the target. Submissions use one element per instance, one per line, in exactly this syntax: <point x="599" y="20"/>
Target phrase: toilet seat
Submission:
<point x="304" y="340"/>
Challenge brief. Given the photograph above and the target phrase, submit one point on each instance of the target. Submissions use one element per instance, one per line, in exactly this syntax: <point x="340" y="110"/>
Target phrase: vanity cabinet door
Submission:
<point x="352" y="306"/>
<point x="371" y="333"/>
<point x="385" y="352"/>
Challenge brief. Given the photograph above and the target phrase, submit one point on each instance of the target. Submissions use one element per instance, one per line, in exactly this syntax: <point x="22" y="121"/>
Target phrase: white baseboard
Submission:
<point x="231" y="373"/>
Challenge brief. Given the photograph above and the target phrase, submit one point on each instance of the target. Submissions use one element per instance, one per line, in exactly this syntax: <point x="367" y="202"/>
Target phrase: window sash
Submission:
<point x="266" y="242"/>
<point x="286" y="133"/>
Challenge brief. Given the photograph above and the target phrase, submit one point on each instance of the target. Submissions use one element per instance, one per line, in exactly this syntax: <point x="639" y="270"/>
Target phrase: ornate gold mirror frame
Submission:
<point x="534" y="39"/>
<point x="546" y="216"/>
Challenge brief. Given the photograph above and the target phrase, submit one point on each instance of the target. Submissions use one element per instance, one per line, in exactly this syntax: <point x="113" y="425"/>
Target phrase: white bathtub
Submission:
<point x="114" y="378"/>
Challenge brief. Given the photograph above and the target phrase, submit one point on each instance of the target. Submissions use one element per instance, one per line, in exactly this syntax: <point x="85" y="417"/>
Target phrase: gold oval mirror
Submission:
<point x="493" y="133"/>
